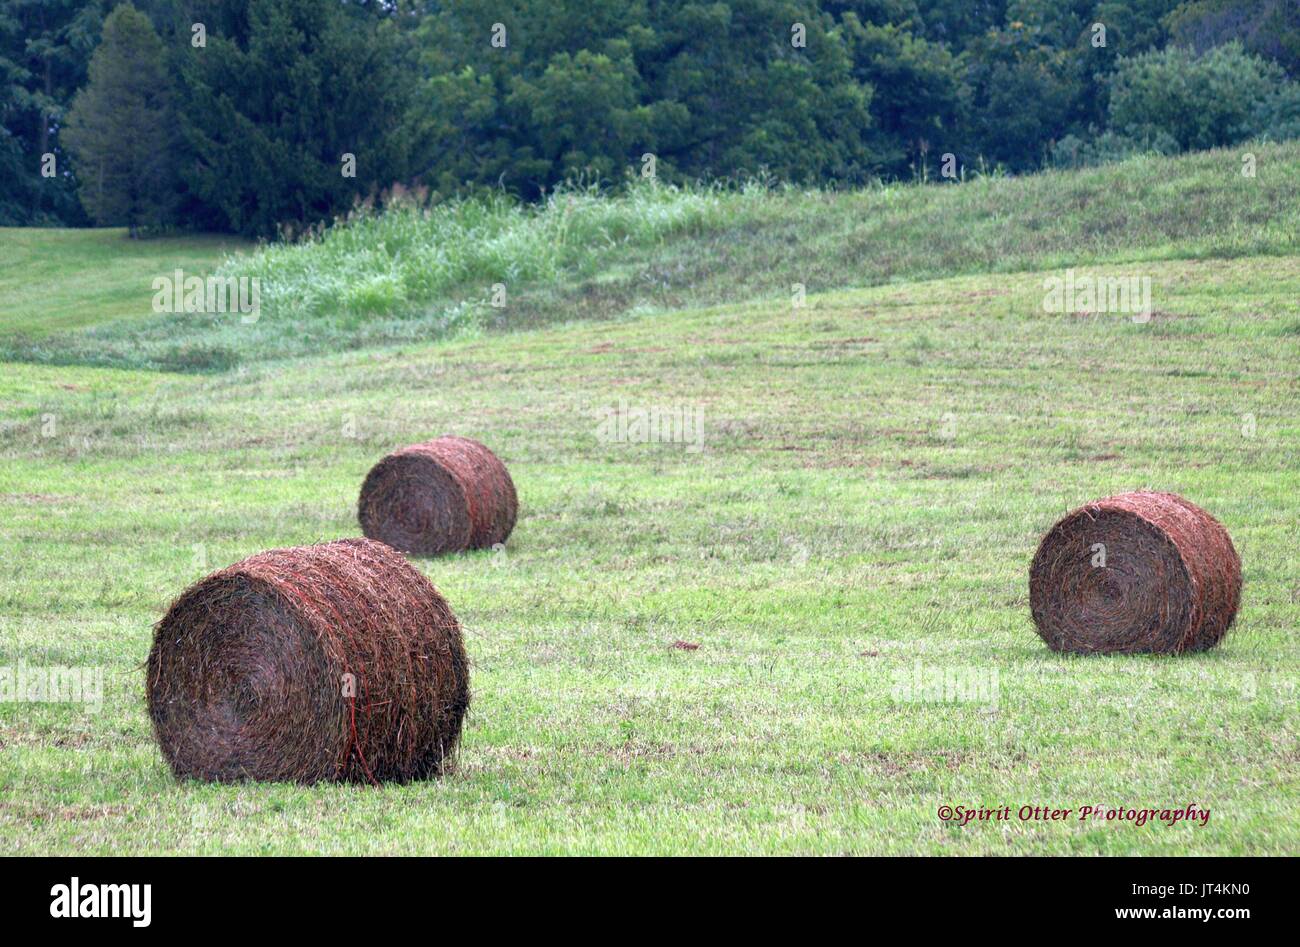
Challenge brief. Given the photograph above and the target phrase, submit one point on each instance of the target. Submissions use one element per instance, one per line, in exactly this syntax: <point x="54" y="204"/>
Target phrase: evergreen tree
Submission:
<point x="281" y="95"/>
<point x="120" y="127"/>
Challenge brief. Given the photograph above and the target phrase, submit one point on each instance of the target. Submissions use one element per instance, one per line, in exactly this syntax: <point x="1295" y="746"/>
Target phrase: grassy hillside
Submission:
<point x="415" y="276"/>
<point x="875" y="471"/>
<point x="55" y="280"/>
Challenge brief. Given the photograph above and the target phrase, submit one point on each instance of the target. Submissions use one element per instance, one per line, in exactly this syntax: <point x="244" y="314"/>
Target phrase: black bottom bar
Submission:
<point x="333" y="896"/>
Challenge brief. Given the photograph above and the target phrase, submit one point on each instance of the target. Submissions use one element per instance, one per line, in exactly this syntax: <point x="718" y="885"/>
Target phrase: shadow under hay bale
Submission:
<point x="338" y="662"/>
<point x="1137" y="572"/>
<point x="444" y="495"/>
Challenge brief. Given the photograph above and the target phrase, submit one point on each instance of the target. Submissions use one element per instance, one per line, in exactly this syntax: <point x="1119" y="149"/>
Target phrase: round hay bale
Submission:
<point x="1137" y="572"/>
<point x="338" y="662"/>
<point x="444" y="495"/>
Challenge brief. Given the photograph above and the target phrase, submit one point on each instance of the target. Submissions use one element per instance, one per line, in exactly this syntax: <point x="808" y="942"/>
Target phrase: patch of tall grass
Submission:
<point x="412" y="273"/>
<point x="410" y="256"/>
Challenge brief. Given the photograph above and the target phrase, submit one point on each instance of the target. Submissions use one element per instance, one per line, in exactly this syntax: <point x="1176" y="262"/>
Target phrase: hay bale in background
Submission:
<point x="444" y="495"/>
<point x="333" y="662"/>
<point x="1170" y="582"/>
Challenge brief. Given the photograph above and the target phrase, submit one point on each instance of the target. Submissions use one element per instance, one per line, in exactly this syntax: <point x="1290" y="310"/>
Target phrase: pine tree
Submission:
<point x="120" y="128"/>
<point x="293" y="111"/>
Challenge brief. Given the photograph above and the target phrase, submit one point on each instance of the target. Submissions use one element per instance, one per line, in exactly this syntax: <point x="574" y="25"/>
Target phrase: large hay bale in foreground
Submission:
<point x="333" y="662"/>
<point x="1136" y="572"/>
<point x="444" y="495"/>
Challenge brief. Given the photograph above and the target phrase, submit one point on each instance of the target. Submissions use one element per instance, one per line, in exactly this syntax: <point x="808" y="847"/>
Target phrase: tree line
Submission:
<point x="254" y="116"/>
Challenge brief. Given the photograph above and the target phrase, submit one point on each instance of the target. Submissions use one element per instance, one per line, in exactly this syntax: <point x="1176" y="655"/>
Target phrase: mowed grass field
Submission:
<point x="875" y="470"/>
<point x="100" y="275"/>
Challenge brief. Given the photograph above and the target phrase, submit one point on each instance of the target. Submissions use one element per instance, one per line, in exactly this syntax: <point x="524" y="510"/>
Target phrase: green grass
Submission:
<point x="411" y="277"/>
<point x="55" y="280"/>
<point x="877" y="469"/>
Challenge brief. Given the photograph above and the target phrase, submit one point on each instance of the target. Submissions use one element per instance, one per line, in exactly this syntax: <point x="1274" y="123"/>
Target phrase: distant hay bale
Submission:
<point x="444" y="495"/>
<point x="338" y="662"/>
<point x="1137" y="572"/>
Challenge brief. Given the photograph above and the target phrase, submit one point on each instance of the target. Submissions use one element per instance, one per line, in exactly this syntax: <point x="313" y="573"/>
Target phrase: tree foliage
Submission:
<point x="465" y="94"/>
<point x="45" y="49"/>
<point x="278" y="100"/>
<point x="121" y="127"/>
<point x="1192" y="101"/>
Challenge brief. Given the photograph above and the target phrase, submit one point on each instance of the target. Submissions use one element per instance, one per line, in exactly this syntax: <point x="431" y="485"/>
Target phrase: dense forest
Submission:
<point x="260" y="116"/>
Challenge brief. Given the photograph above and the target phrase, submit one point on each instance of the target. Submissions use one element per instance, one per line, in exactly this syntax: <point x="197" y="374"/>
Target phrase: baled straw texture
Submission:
<point x="1170" y="582"/>
<point x="337" y="662"/>
<point x="443" y="495"/>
